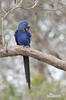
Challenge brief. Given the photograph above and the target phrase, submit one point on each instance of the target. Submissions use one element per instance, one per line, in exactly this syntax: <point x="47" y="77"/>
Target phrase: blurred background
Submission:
<point x="48" y="27"/>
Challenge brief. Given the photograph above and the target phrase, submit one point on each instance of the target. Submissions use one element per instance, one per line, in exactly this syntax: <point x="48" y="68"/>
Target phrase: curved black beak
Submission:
<point x="28" y="27"/>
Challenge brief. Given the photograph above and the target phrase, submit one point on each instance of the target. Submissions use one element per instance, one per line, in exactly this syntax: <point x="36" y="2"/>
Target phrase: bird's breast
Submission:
<point x="22" y="38"/>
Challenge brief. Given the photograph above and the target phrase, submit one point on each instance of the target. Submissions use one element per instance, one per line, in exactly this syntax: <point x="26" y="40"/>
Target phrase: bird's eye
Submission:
<point x="24" y="26"/>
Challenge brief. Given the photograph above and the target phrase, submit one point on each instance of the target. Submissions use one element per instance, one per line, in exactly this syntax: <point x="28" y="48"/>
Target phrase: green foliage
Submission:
<point x="41" y="89"/>
<point x="11" y="90"/>
<point x="38" y="80"/>
<point x="63" y="97"/>
<point x="10" y="93"/>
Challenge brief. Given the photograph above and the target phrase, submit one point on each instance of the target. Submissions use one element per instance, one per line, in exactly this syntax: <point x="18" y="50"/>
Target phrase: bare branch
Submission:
<point x="18" y="6"/>
<point x="15" y="1"/>
<point x="29" y="8"/>
<point x="35" y="3"/>
<point x="0" y="23"/>
<point x="19" y="50"/>
<point x="11" y="10"/>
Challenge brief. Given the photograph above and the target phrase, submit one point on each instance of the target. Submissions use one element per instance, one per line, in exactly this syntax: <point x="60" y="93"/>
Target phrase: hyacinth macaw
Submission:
<point x="23" y="37"/>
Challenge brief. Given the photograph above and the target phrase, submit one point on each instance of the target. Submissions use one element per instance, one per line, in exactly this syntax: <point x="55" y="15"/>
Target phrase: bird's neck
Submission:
<point x="21" y="31"/>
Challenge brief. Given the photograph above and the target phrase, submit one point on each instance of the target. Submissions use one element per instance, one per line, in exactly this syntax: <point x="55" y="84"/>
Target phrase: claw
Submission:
<point x="27" y="46"/>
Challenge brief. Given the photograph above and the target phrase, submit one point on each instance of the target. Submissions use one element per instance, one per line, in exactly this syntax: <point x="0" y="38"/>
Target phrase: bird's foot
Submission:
<point x="25" y="46"/>
<point x="6" y="49"/>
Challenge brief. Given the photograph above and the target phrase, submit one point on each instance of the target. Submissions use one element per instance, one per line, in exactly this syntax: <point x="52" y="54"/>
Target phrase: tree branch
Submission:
<point x="0" y="23"/>
<point x="19" y="6"/>
<point x="19" y="50"/>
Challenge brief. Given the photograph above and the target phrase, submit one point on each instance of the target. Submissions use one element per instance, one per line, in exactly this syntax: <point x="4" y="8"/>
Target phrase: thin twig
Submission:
<point x="17" y="6"/>
<point x="36" y="2"/>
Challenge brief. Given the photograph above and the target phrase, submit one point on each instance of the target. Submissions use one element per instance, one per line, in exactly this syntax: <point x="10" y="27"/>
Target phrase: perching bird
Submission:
<point x="23" y="37"/>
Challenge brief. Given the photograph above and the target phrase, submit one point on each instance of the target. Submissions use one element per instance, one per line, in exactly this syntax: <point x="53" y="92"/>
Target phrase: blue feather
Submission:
<point x="23" y="37"/>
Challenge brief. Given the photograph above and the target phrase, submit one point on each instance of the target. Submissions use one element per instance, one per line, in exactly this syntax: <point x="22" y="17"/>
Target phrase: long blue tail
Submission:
<point x="27" y="69"/>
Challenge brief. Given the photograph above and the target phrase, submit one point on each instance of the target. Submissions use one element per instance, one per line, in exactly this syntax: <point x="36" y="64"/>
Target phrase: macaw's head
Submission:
<point x="23" y="25"/>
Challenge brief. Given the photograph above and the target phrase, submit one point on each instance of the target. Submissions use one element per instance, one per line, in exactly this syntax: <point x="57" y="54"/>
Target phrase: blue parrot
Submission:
<point x="23" y="37"/>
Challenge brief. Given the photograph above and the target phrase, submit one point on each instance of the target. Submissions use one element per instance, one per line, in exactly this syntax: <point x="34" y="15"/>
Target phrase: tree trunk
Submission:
<point x="0" y="24"/>
<point x="15" y="1"/>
